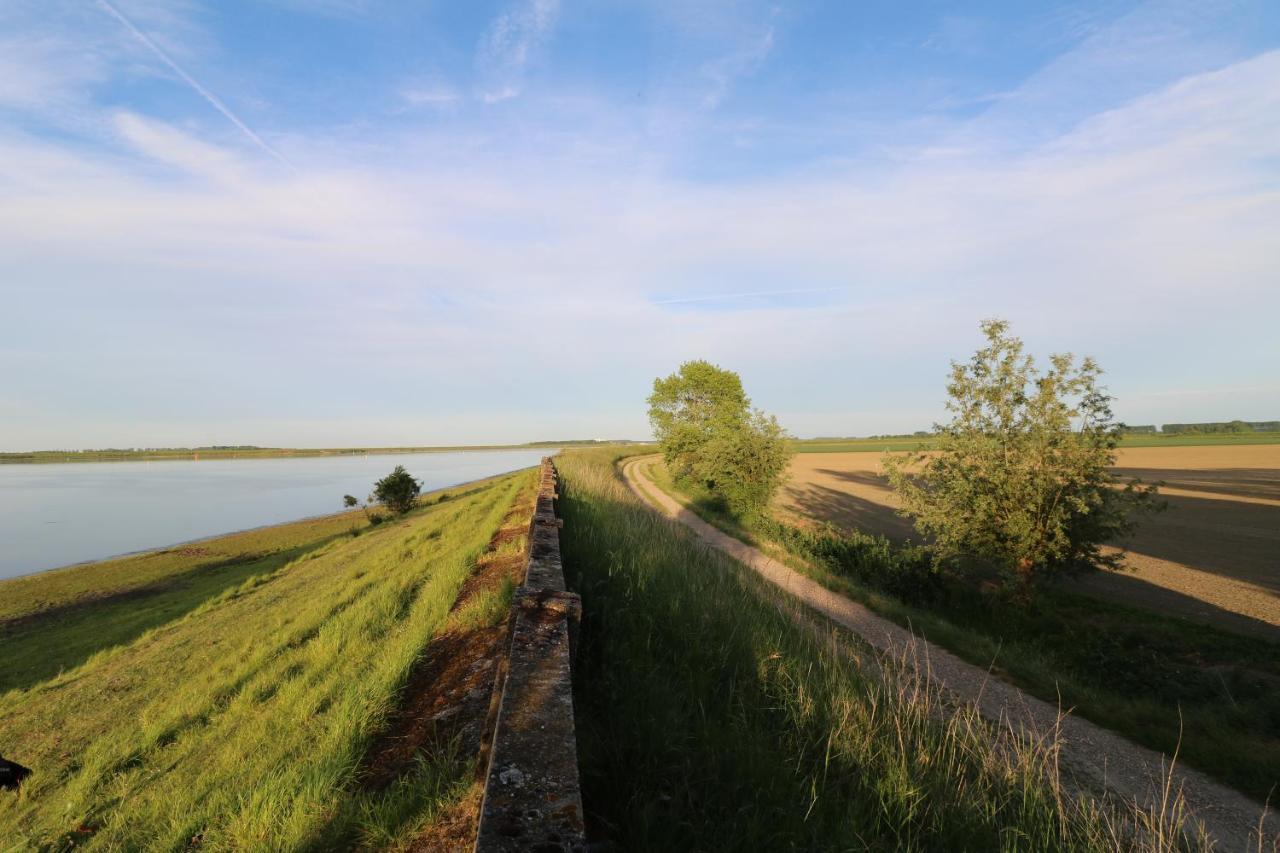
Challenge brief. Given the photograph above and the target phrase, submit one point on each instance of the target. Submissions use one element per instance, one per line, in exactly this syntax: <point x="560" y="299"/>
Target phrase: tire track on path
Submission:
<point x="1098" y="758"/>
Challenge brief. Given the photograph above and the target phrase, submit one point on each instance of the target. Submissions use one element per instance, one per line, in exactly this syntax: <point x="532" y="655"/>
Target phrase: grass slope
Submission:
<point x="239" y="725"/>
<point x="708" y="720"/>
<point x="55" y="620"/>
<point x="1164" y="682"/>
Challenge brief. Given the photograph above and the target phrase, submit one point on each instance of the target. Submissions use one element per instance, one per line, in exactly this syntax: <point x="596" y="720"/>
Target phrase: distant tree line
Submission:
<point x="1228" y="427"/>
<point x="1214" y="428"/>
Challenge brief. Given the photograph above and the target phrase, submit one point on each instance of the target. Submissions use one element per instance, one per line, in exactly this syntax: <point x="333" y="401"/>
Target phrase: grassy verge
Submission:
<point x="55" y="620"/>
<point x="241" y="724"/>
<point x="1159" y="681"/>
<point x="709" y="720"/>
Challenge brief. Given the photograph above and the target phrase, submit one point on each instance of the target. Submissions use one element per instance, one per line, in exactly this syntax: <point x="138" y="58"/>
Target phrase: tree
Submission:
<point x="689" y="407"/>
<point x="1019" y="480"/>
<point x="398" y="491"/>
<point x="745" y="465"/>
<point x="350" y="501"/>
<point x="709" y="433"/>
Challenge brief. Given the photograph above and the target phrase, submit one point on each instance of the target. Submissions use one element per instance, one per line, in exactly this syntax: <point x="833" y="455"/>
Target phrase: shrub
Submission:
<point x="909" y="573"/>
<point x="1019" y="480"/>
<point x="398" y="491"/>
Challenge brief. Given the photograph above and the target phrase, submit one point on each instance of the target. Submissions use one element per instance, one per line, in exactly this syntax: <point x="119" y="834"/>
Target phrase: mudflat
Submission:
<point x="1213" y="556"/>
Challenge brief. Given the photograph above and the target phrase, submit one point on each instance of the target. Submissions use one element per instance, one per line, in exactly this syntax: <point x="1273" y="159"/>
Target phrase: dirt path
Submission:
<point x="1096" y="757"/>
<point x="1214" y="556"/>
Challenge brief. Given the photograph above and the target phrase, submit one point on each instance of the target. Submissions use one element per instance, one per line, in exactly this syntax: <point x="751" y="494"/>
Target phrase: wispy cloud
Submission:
<point x="431" y="95"/>
<point x="510" y="43"/>
<point x="335" y="8"/>
<point x="35" y="72"/>
<point x="722" y="72"/>
<point x="198" y="87"/>
<point x="160" y="141"/>
<point x="731" y="297"/>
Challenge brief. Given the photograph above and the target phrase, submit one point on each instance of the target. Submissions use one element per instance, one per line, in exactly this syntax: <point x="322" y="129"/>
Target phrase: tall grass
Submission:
<point x="240" y="725"/>
<point x="1161" y="681"/>
<point x="711" y="718"/>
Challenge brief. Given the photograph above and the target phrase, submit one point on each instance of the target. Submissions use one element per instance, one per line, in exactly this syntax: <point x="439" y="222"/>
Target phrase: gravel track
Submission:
<point x="1096" y="757"/>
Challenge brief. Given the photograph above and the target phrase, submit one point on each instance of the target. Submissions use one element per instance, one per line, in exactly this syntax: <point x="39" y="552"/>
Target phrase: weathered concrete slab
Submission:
<point x="532" y="799"/>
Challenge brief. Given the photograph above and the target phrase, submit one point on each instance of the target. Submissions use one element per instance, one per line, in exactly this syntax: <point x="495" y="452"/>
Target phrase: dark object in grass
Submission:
<point x="12" y="774"/>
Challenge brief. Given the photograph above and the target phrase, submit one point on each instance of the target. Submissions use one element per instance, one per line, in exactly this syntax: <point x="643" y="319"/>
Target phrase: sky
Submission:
<point x="366" y="222"/>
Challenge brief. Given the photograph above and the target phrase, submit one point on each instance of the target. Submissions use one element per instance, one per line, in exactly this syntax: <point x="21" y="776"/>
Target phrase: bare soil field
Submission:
<point x="1213" y="556"/>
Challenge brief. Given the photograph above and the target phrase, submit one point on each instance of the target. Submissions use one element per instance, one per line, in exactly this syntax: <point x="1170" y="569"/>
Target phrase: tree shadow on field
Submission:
<point x="1232" y="539"/>
<point x="1235" y="539"/>
<point x="1132" y="591"/>
<point x="39" y="646"/>
<point x="850" y="511"/>
<point x="1232" y="482"/>
<point x="1228" y="538"/>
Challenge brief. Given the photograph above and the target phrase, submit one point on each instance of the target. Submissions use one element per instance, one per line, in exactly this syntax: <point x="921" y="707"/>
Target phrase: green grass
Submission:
<point x="55" y="620"/>
<point x="709" y="720"/>
<point x="896" y="444"/>
<point x="241" y="724"/>
<point x="487" y="608"/>
<point x="1161" y="681"/>
<point x="1204" y="439"/>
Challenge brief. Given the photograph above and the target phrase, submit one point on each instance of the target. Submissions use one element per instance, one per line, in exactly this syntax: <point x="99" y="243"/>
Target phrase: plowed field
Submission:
<point x="1214" y="555"/>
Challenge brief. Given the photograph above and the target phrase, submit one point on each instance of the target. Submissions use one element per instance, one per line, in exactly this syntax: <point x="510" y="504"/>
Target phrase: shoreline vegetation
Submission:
<point x="254" y="452"/>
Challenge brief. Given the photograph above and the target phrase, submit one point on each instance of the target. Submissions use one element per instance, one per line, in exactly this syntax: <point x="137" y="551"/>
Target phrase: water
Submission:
<point x="57" y="514"/>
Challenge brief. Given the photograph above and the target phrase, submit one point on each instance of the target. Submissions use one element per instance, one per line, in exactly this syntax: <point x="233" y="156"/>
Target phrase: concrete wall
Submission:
<point x="532" y="800"/>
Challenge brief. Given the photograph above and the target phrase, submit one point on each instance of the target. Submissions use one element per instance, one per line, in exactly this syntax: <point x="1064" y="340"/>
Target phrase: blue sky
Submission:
<point x="318" y="222"/>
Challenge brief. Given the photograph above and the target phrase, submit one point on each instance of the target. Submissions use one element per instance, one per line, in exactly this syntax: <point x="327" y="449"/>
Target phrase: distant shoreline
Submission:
<point x="806" y="445"/>
<point x="178" y="454"/>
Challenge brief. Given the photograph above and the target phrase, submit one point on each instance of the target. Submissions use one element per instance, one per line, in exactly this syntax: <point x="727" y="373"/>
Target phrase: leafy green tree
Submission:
<point x="398" y="491"/>
<point x="350" y="501"/>
<point x="745" y="465"/>
<point x="689" y="407"/>
<point x="709" y="434"/>
<point x="1020" y="479"/>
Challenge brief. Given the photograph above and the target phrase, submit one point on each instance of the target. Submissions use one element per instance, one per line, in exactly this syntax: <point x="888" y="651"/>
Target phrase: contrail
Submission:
<point x="194" y="84"/>
<point x="717" y="296"/>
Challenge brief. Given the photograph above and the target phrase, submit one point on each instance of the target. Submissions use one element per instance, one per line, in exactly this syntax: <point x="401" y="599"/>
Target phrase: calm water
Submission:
<point x="57" y="514"/>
